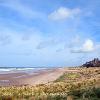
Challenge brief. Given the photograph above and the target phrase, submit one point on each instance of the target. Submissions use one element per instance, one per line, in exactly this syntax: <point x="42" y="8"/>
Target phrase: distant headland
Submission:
<point x="94" y="63"/>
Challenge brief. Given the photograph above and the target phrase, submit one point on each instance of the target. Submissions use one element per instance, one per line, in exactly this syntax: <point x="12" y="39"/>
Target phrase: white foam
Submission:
<point x="27" y="70"/>
<point x="4" y="80"/>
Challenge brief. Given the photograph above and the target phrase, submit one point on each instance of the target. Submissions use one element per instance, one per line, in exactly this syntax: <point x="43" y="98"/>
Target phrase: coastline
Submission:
<point x="19" y="78"/>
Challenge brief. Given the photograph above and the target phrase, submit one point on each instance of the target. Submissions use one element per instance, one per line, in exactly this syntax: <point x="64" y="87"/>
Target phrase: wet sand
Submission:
<point x="22" y="78"/>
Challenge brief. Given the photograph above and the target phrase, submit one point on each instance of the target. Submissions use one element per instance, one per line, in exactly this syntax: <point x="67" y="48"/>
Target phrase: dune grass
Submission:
<point x="67" y="76"/>
<point x="81" y="85"/>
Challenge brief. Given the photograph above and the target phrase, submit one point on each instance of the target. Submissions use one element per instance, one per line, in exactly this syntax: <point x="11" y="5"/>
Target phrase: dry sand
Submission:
<point x="22" y="78"/>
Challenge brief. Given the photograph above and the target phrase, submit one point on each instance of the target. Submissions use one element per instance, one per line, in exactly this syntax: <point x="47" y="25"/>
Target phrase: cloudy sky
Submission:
<point x="49" y="32"/>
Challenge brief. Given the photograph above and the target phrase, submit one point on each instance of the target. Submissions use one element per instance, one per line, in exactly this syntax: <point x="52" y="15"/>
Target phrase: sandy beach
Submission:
<point x="22" y="78"/>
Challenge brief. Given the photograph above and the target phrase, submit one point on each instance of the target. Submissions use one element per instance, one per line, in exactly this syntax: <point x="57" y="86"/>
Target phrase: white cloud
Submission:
<point x="88" y="46"/>
<point x="50" y="42"/>
<point x="22" y="9"/>
<point x="64" y="13"/>
<point x="5" y="39"/>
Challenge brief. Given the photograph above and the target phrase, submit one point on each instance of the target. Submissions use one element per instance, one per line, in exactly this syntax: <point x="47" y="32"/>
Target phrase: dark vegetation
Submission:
<point x="93" y="63"/>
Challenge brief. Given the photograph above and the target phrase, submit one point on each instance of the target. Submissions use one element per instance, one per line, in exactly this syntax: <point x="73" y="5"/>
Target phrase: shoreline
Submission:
<point x="35" y="77"/>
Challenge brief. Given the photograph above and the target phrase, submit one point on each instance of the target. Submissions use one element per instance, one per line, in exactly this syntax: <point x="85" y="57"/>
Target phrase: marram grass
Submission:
<point x="84" y="85"/>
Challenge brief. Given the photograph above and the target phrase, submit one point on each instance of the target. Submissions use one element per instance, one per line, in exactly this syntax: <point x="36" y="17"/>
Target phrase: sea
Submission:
<point x="20" y="69"/>
<point x="4" y="70"/>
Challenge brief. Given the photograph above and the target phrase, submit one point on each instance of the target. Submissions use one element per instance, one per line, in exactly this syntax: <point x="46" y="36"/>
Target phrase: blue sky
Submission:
<point x="49" y="32"/>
